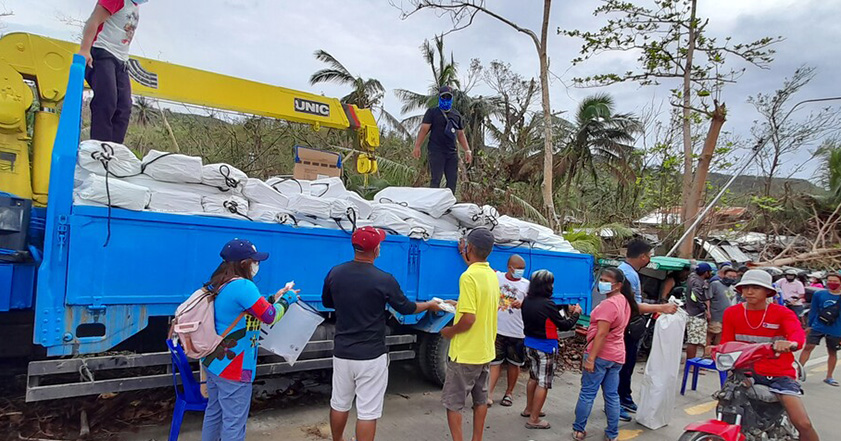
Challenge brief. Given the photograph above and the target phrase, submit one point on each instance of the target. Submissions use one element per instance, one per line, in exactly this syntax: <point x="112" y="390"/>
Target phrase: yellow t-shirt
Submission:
<point x="479" y="295"/>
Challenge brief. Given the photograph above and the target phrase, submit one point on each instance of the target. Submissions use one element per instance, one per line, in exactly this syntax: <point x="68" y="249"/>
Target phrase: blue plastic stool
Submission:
<point x="189" y="396"/>
<point x="696" y="364"/>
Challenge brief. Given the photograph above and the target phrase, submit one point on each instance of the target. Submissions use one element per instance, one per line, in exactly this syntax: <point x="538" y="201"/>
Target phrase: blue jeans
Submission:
<point x="227" y="409"/>
<point x="605" y="375"/>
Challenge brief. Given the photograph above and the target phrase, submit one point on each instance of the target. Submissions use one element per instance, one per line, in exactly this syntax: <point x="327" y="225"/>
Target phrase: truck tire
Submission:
<point x="699" y="436"/>
<point x="432" y="358"/>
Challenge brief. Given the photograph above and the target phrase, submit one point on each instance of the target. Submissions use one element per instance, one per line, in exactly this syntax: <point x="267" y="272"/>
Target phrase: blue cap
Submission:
<point x="703" y="267"/>
<point x="241" y="249"/>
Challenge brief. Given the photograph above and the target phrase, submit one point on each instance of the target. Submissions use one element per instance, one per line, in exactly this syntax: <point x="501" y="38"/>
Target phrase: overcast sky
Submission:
<point x="273" y="41"/>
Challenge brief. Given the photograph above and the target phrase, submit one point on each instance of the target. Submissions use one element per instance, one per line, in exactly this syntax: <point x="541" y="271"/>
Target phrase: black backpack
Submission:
<point x="830" y="315"/>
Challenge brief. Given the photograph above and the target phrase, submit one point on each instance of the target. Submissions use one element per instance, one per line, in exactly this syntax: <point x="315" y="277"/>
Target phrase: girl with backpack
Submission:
<point x="605" y="353"/>
<point x="239" y="311"/>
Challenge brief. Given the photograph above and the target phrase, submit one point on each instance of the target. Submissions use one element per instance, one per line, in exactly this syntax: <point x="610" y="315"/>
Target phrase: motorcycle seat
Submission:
<point x="762" y="393"/>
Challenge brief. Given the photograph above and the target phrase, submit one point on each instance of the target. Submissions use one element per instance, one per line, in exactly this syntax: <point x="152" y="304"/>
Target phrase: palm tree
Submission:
<point x="830" y="171"/>
<point x="143" y="111"/>
<point x="366" y="93"/>
<point x="599" y="136"/>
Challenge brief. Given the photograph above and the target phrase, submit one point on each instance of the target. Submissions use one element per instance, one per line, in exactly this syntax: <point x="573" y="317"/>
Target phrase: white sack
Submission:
<point x="448" y="235"/>
<point x="175" y="202"/>
<point x="270" y="214"/>
<point x="364" y="208"/>
<point x="506" y="231"/>
<point x="169" y="167"/>
<point x="419" y="230"/>
<point x="432" y="201"/>
<point x="228" y="206"/>
<point x="122" y="194"/>
<point x="468" y="215"/>
<point x="660" y="385"/>
<point x="390" y="221"/>
<point x="258" y="192"/>
<point x="223" y="176"/>
<point x="289" y="186"/>
<point x="555" y="243"/>
<point x="310" y="206"/>
<point x="79" y="176"/>
<point x="339" y="208"/>
<point x="122" y="161"/>
<point x="491" y="215"/>
<point x="328" y="188"/>
<point x="151" y="184"/>
<point x="407" y="214"/>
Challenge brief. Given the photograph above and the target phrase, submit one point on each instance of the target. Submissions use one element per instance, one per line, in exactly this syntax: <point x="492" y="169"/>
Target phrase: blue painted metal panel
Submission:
<point x="573" y="276"/>
<point x="17" y="287"/>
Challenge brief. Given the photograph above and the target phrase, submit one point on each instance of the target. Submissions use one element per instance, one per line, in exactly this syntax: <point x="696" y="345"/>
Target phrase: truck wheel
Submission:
<point x="432" y="357"/>
<point x="699" y="436"/>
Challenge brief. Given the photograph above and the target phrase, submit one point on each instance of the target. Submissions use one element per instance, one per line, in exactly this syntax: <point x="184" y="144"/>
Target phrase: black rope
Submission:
<point x="282" y="180"/>
<point x="424" y="234"/>
<point x="351" y="217"/>
<point x="389" y="201"/>
<point x="388" y="230"/>
<point x="284" y="217"/>
<point x="232" y="206"/>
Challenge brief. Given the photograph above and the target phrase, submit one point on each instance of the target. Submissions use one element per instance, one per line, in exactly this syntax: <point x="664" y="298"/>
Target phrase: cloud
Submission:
<point x="273" y="42"/>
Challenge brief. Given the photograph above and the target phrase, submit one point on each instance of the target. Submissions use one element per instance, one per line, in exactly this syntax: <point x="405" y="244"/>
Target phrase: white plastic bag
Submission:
<point x="258" y="192"/>
<point x="175" y="202"/>
<point x="311" y="206"/>
<point x="363" y="206"/>
<point x="121" y="161"/>
<point x="555" y="243"/>
<point x="289" y="336"/>
<point x="506" y="231"/>
<point x="117" y="193"/>
<point x="228" y="206"/>
<point x="270" y="214"/>
<point x="660" y="384"/>
<point x="432" y="201"/>
<point x="223" y="176"/>
<point x="468" y="215"/>
<point x="390" y="221"/>
<point x="170" y="167"/>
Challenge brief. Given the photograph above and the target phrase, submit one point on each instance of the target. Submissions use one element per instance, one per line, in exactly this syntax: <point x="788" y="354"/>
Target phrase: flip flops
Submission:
<point x="540" y="425"/>
<point x="526" y="415"/>
<point x="578" y="436"/>
<point x="832" y="382"/>
<point x="506" y="401"/>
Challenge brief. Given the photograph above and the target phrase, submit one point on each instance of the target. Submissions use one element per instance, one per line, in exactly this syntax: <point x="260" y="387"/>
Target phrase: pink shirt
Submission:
<point x="794" y="292"/>
<point x="616" y="311"/>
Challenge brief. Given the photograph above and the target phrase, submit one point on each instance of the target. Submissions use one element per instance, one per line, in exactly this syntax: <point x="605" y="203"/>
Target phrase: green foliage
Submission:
<point x="584" y="242"/>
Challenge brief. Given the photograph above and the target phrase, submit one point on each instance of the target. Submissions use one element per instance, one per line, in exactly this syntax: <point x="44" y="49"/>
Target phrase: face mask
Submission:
<point x="605" y="287"/>
<point x="728" y="281"/>
<point x="834" y="286"/>
<point x="255" y="267"/>
<point x="518" y="273"/>
<point x="790" y="278"/>
<point x="445" y="104"/>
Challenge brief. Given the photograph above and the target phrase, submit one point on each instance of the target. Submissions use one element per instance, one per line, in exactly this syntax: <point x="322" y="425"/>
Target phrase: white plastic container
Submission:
<point x="290" y="334"/>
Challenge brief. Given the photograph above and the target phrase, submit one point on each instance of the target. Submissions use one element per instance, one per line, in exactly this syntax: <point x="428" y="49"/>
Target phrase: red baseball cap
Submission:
<point x="367" y="238"/>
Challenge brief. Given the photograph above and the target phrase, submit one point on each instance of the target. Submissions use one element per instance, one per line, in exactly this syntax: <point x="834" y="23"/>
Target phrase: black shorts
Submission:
<point x="509" y="349"/>
<point x="832" y="343"/>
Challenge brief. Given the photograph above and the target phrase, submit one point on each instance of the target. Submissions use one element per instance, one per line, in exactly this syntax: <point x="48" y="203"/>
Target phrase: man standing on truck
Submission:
<point x="472" y="336"/>
<point x="445" y="126"/>
<point x="637" y="257"/>
<point x="513" y="288"/>
<point x="105" y="45"/>
<point x="359" y="292"/>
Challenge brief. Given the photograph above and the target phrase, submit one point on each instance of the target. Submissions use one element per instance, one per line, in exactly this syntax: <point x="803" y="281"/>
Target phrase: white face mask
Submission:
<point x="518" y="273"/>
<point x="255" y="267"/>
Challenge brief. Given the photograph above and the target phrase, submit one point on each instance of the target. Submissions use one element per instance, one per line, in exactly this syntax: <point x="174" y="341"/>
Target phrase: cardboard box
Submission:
<point x="312" y="164"/>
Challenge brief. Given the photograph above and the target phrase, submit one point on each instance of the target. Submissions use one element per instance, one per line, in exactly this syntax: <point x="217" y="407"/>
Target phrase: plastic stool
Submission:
<point x="696" y="364"/>
<point x="189" y="397"/>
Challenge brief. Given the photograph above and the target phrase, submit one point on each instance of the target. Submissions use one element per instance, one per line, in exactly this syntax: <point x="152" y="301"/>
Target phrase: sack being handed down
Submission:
<point x="173" y="167"/>
<point x="94" y="156"/>
<point x="432" y="201"/>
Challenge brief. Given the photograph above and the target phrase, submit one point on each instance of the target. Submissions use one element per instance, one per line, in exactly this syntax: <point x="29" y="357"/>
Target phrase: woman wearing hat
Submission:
<point x="758" y="321"/>
<point x="239" y="309"/>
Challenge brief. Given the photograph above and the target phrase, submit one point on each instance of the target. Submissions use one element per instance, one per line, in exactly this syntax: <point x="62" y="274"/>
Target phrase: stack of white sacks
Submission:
<point x="175" y="183"/>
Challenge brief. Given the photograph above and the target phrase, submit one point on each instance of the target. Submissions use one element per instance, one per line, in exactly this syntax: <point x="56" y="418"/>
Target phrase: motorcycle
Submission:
<point x="746" y="411"/>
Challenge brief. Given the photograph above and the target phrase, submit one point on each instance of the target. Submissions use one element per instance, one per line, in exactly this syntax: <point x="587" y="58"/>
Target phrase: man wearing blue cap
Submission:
<point x="698" y="308"/>
<point x="445" y="126"/>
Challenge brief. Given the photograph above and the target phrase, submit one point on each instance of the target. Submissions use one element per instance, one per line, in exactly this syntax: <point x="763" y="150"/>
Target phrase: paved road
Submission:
<point x="413" y="413"/>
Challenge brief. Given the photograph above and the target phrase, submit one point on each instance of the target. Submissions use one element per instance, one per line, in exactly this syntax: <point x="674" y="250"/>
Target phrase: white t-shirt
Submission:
<point x="116" y="33"/>
<point x="510" y="320"/>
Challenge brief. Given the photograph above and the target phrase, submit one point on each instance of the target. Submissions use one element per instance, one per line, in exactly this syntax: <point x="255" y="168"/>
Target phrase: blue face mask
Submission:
<point x="605" y="288"/>
<point x="518" y="273"/>
<point x="445" y="104"/>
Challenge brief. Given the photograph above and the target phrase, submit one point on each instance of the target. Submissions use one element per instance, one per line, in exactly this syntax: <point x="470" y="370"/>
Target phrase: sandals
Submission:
<point x="540" y="425"/>
<point x="578" y="436"/>
<point x="490" y="402"/>
<point x="506" y="401"/>
<point x="526" y="415"/>
<point x="832" y="382"/>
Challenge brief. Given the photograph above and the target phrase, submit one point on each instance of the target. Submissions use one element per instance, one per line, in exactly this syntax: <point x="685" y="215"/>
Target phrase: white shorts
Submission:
<point x="365" y="380"/>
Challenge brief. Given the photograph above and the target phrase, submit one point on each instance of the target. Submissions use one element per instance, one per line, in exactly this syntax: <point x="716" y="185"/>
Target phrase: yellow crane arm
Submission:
<point x="46" y="61"/>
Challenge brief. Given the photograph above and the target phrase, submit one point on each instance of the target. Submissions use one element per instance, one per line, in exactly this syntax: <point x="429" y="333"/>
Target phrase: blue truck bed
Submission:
<point x="90" y="297"/>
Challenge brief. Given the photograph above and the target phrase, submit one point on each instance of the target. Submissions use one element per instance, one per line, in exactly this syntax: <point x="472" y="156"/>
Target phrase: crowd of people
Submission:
<point x="504" y="321"/>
